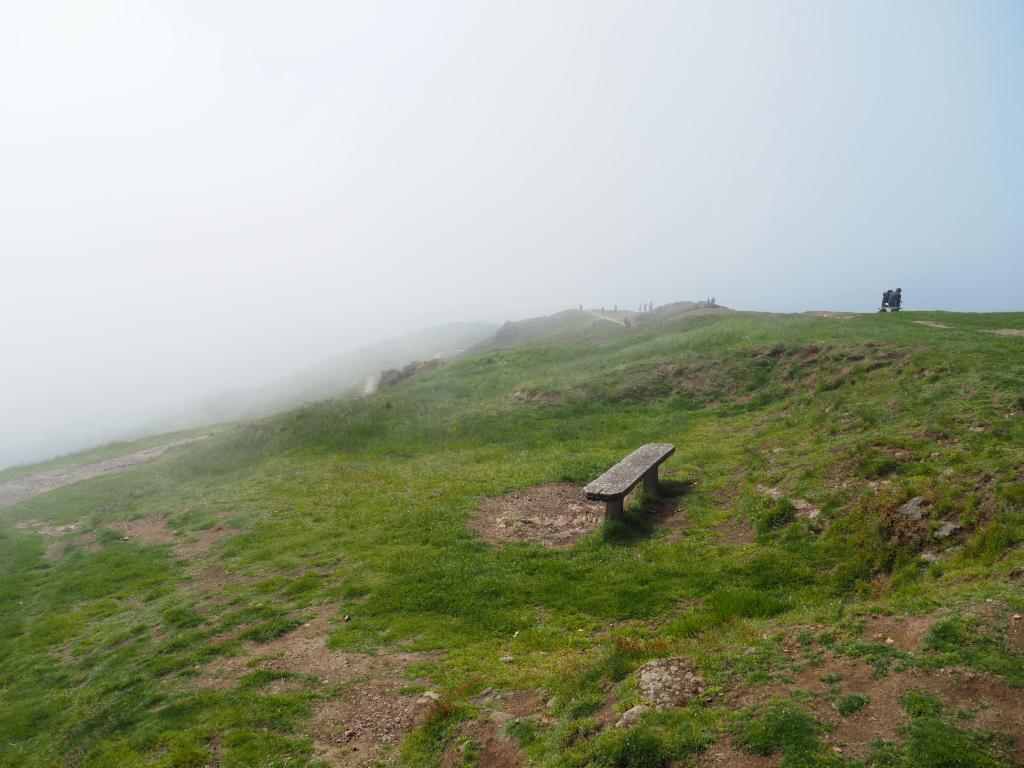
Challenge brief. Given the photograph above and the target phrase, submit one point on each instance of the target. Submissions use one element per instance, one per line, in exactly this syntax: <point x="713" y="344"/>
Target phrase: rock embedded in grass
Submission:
<point x="631" y="716"/>
<point x="669" y="682"/>
<point x="912" y="509"/>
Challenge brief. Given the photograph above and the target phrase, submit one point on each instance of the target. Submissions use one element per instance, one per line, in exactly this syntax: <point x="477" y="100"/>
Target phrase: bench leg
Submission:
<point x="651" y="481"/>
<point x="613" y="509"/>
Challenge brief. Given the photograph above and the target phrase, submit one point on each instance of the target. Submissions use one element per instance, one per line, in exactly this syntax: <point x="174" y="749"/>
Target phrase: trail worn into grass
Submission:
<point x="25" y="488"/>
<point x="368" y="713"/>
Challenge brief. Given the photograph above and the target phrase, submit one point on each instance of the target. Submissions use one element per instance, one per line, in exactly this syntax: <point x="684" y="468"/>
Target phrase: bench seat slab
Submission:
<point x="640" y="464"/>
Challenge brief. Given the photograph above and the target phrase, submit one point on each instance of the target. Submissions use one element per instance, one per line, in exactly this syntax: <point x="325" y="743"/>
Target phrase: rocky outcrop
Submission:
<point x="393" y="376"/>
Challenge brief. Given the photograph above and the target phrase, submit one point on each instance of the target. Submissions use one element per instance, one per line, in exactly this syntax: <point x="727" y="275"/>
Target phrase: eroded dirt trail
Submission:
<point x="25" y="488"/>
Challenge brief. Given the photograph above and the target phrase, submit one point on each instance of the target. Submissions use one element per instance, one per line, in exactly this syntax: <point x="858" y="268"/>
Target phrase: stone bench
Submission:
<point x="613" y="485"/>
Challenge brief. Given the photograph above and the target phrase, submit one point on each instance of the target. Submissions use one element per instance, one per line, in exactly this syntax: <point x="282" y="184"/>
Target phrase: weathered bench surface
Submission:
<point x="620" y="479"/>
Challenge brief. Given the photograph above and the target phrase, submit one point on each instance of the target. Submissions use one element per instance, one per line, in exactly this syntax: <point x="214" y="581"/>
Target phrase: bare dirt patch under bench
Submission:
<point x="556" y="515"/>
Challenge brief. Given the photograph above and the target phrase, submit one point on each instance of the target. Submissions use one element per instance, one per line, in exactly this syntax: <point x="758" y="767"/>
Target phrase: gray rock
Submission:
<point x="669" y="682"/>
<point x="946" y="530"/>
<point x="912" y="509"/>
<point x="499" y="717"/>
<point x="506" y="659"/>
<point x="929" y="557"/>
<point x="631" y="716"/>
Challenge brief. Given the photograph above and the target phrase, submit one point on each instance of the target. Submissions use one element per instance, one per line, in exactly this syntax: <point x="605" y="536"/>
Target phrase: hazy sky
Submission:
<point x="198" y="195"/>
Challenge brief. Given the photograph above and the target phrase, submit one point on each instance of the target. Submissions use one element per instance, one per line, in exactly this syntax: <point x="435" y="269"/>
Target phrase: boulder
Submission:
<point x="912" y="509"/>
<point x="631" y="716"/>
<point x="669" y="682"/>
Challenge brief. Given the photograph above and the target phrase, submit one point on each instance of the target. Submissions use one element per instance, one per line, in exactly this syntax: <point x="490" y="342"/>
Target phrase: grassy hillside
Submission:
<point x="271" y="596"/>
<point x="341" y="375"/>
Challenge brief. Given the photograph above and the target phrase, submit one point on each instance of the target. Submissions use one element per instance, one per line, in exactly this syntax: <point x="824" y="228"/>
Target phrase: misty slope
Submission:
<point x="836" y="556"/>
<point x="340" y="375"/>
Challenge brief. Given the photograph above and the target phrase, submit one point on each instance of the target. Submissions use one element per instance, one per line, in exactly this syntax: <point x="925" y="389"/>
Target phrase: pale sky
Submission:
<point x="203" y="195"/>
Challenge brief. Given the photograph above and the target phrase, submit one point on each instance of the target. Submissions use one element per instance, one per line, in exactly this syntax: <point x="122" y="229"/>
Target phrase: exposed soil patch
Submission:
<point x="931" y="324"/>
<point x="496" y="748"/>
<point x="151" y="530"/>
<point x="1015" y="634"/>
<point x="1008" y="331"/>
<point x="994" y="706"/>
<point x="197" y="542"/>
<point x="727" y="756"/>
<point x="27" y="487"/>
<point x="522" y="394"/>
<point x="834" y="315"/>
<point x="667" y="513"/>
<point x="549" y="398"/>
<point x="736" y="532"/>
<point x="555" y="515"/>
<point x="907" y="633"/>
<point x="369" y="715"/>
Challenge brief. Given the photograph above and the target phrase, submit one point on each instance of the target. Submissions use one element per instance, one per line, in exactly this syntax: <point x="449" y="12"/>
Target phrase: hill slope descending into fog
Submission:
<point x="341" y="375"/>
<point x="831" y="574"/>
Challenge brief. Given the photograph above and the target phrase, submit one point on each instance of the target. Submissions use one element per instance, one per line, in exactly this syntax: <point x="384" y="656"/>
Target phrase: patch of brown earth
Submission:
<point x="666" y="513"/>
<point x="930" y="324"/>
<point x="1008" y="331"/>
<point x="834" y="315"/>
<point x="727" y="756"/>
<point x="496" y="748"/>
<point x="1015" y="634"/>
<point x="150" y="530"/>
<point x="197" y="542"/>
<point x="906" y="632"/>
<point x="555" y="515"/>
<point x="522" y="394"/>
<point x="994" y="705"/>
<point x="365" y="720"/>
<point x="736" y="532"/>
<point x="548" y="398"/>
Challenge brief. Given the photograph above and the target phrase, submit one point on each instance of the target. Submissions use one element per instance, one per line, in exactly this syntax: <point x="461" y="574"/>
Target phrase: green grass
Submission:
<point x="358" y="507"/>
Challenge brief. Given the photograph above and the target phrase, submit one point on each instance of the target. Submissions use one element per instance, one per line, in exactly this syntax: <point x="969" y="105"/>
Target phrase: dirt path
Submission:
<point x="599" y="316"/>
<point x="25" y="488"/>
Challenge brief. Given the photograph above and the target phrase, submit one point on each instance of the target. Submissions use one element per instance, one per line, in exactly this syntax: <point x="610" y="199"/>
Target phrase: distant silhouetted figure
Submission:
<point x="602" y="310"/>
<point x="616" y="308"/>
<point x="581" y="307"/>
<point x="885" y="298"/>
<point x="896" y="299"/>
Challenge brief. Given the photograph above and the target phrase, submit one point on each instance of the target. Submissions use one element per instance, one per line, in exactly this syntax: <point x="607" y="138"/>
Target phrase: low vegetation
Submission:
<point x="282" y="552"/>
